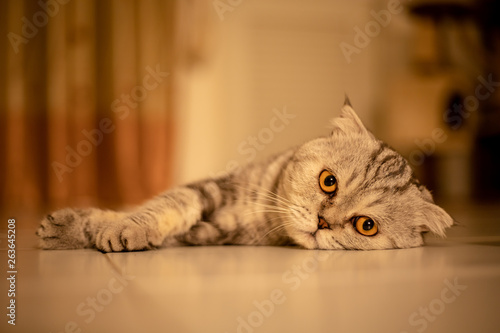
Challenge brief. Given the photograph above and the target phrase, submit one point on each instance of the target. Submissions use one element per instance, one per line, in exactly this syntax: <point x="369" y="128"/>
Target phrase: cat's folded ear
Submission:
<point x="434" y="219"/>
<point x="348" y="122"/>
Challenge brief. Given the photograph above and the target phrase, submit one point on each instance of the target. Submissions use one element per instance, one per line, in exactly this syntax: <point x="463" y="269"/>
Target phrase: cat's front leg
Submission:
<point x="74" y="228"/>
<point x="171" y="213"/>
<point x="107" y="231"/>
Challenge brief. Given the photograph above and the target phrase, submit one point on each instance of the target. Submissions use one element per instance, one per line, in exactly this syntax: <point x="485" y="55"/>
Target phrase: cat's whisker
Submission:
<point x="265" y="223"/>
<point x="283" y="209"/>
<point x="259" y="190"/>
<point x="284" y="206"/>
<point x="274" y="218"/>
<point x="275" y="197"/>
<point x="277" y="216"/>
<point x="264" y="204"/>
<point x="264" y="211"/>
<point x="275" y="229"/>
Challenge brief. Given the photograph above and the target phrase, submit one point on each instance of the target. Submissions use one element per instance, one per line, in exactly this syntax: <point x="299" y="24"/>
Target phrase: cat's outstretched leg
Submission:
<point x="171" y="213"/>
<point x="74" y="228"/>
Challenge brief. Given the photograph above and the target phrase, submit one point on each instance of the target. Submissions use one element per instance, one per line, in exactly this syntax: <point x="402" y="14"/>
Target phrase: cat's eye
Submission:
<point x="327" y="182"/>
<point x="365" y="225"/>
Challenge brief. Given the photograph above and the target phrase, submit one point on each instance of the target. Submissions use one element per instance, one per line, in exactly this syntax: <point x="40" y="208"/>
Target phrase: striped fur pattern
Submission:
<point x="278" y="201"/>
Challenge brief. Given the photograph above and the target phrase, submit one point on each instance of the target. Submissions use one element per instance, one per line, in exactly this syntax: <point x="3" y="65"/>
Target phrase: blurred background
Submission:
<point x="107" y="103"/>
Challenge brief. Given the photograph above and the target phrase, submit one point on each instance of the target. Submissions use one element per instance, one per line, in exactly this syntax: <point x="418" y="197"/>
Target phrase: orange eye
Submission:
<point x="365" y="225"/>
<point x="327" y="182"/>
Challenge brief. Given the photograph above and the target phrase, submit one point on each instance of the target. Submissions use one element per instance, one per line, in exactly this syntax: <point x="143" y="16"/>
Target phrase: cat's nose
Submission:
<point x="322" y="224"/>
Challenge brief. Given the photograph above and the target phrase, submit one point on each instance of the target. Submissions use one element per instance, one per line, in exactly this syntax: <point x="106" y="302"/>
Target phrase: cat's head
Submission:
<point x="350" y="190"/>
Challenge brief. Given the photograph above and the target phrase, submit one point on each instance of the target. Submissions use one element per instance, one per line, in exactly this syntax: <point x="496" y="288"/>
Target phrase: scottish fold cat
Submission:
<point x="344" y="191"/>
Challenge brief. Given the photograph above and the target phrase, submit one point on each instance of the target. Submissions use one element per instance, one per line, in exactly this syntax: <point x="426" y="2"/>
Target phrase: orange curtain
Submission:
<point x="87" y="104"/>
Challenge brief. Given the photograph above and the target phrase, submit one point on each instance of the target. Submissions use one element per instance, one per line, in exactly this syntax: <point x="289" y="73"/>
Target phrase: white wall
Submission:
<point x="273" y="54"/>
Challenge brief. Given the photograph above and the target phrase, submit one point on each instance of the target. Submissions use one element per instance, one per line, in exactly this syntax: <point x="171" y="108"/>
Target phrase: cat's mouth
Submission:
<point x="311" y="236"/>
<point x="322" y="224"/>
<point x="324" y="242"/>
<point x="317" y="238"/>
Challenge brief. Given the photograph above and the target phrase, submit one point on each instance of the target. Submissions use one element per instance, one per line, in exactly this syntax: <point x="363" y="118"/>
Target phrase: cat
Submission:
<point x="344" y="191"/>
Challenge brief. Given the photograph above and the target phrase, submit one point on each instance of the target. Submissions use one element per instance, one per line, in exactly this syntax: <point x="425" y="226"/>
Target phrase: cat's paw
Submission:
<point x="64" y="229"/>
<point x="126" y="235"/>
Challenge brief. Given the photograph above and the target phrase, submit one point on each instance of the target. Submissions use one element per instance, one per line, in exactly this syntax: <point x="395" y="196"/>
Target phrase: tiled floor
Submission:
<point x="449" y="285"/>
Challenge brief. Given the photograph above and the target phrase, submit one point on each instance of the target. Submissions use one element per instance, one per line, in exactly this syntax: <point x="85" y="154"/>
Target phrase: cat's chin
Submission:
<point x="308" y="241"/>
<point x="303" y="238"/>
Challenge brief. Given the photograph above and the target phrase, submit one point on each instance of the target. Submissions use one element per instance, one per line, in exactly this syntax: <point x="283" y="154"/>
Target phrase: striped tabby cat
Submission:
<point x="344" y="191"/>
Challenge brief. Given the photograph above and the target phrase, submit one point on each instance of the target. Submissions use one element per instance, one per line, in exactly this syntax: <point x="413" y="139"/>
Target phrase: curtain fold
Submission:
<point x="87" y="109"/>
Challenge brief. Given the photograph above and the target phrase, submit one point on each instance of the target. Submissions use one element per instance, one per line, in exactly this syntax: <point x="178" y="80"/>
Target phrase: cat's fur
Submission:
<point x="275" y="202"/>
